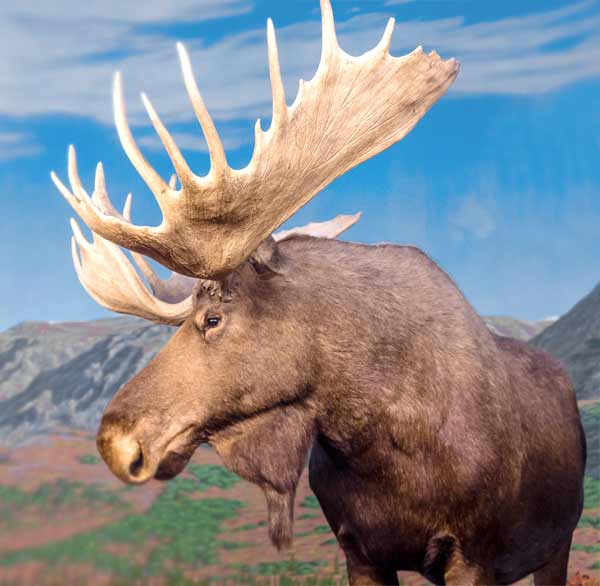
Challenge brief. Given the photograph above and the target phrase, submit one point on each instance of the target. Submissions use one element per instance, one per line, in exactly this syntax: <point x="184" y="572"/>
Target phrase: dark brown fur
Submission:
<point x="436" y="446"/>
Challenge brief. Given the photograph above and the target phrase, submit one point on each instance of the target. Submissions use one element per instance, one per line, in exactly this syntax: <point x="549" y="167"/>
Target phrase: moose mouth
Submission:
<point x="178" y="453"/>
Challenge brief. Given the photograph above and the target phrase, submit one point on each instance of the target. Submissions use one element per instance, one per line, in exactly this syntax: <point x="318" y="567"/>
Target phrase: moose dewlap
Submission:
<point x="435" y="445"/>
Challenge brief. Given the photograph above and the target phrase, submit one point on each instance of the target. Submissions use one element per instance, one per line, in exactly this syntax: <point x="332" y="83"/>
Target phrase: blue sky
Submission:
<point x="499" y="183"/>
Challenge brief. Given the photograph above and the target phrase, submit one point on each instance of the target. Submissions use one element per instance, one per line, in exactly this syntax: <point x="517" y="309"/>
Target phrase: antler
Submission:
<point x="354" y="108"/>
<point x="109" y="277"/>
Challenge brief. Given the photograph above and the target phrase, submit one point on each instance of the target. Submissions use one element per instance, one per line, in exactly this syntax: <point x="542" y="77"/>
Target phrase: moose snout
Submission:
<point x="124" y="453"/>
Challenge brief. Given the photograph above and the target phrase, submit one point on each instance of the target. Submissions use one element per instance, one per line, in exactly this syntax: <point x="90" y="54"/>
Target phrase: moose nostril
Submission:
<point x="136" y="466"/>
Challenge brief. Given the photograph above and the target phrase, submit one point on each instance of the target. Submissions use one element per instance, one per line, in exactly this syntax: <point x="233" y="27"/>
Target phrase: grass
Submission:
<point x="591" y="491"/>
<point x="179" y="529"/>
<point x="211" y="475"/>
<point x="89" y="459"/>
<point x="590" y="417"/>
<point x="310" y="502"/>
<point x="587" y="548"/>
<point x="53" y="497"/>
<point x="587" y="521"/>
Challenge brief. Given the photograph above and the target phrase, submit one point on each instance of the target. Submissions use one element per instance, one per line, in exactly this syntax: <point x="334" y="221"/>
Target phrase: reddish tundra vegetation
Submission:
<point x="64" y="519"/>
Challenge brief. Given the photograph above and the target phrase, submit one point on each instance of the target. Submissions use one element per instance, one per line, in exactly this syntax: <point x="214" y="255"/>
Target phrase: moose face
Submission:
<point x="240" y="354"/>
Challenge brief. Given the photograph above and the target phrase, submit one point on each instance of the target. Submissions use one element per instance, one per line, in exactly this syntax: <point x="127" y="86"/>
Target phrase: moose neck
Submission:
<point x="385" y="322"/>
<point x="377" y="336"/>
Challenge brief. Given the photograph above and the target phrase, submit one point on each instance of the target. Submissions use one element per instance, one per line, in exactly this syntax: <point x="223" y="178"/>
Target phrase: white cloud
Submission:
<point x="14" y="145"/>
<point x="67" y="11"/>
<point x="474" y="216"/>
<point x="59" y="57"/>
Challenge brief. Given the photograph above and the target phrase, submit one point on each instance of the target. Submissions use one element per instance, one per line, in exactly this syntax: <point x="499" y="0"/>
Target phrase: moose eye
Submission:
<point x="212" y="321"/>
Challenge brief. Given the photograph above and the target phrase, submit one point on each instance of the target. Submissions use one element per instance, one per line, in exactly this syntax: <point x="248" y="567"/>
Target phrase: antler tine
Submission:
<point x="152" y="179"/>
<point x="386" y="39"/>
<point x="329" y="229"/>
<point x="279" y="105"/>
<point x="100" y="195"/>
<point x="353" y="109"/>
<point x="127" y="207"/>
<point x="330" y="45"/>
<point x="110" y="279"/>
<point x="172" y="290"/>
<point x="139" y="259"/>
<point x="78" y="190"/>
<point x="179" y="162"/>
<point x="218" y="160"/>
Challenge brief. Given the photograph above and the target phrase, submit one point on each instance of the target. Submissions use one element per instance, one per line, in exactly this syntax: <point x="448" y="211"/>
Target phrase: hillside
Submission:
<point x="519" y="329"/>
<point x="66" y="520"/>
<point x="65" y="373"/>
<point x="575" y="340"/>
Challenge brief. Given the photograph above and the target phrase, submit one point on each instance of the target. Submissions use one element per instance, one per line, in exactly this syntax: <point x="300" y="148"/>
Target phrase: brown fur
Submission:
<point x="436" y="446"/>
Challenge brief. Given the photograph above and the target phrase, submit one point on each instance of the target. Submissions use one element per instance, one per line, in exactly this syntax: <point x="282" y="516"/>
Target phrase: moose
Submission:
<point x="434" y="445"/>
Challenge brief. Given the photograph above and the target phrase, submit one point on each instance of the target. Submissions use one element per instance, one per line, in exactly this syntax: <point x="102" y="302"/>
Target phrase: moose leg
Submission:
<point x="554" y="573"/>
<point x="364" y="575"/>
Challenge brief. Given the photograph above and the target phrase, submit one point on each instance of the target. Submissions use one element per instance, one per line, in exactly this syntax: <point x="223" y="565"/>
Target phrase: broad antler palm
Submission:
<point x="354" y="108"/>
<point x="110" y="279"/>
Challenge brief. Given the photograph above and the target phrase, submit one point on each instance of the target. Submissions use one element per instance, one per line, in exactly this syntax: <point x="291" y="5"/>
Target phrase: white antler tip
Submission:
<point x="127" y="207"/>
<point x="330" y="44"/>
<point x="386" y="39"/>
<point x="117" y="83"/>
<point x="147" y="103"/>
<point x="182" y="51"/>
<point x="81" y="239"/>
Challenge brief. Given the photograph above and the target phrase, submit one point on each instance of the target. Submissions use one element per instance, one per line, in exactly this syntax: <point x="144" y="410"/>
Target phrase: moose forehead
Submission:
<point x="214" y="290"/>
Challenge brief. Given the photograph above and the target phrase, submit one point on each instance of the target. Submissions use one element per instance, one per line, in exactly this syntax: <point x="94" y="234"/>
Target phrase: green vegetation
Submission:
<point x="587" y="548"/>
<point x="53" y="496"/>
<point x="310" y="502"/>
<point x="285" y="567"/>
<point x="210" y="475"/>
<point x="591" y="490"/>
<point x="179" y="529"/>
<point x="587" y="521"/>
<point x="590" y="417"/>
<point x="90" y="459"/>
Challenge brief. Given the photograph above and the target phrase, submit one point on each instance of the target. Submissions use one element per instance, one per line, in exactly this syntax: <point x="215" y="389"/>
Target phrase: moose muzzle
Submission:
<point x="135" y="457"/>
<point x="124" y="453"/>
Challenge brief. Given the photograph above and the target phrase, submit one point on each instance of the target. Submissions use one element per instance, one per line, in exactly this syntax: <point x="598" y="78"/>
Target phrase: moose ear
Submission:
<point x="266" y="259"/>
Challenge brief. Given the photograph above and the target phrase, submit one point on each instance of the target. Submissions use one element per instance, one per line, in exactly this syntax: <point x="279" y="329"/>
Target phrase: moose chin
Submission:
<point x="435" y="446"/>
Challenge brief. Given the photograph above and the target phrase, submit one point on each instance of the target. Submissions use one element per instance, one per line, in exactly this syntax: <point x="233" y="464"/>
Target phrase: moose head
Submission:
<point x="244" y="369"/>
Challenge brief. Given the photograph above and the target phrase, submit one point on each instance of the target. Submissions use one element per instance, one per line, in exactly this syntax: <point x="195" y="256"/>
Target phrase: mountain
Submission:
<point x="63" y="374"/>
<point x="575" y="340"/>
<point x="519" y="329"/>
